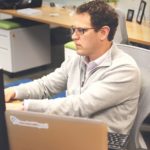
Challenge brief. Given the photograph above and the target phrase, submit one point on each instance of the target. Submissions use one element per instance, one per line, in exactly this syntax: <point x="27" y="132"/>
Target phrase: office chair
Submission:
<point x="142" y="57"/>
<point x="121" y="36"/>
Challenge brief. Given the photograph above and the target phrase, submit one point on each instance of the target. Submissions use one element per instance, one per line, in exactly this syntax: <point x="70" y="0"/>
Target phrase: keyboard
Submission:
<point x="117" y="141"/>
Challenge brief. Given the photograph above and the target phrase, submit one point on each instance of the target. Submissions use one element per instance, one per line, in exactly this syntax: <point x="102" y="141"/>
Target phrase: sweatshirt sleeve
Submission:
<point x="46" y="86"/>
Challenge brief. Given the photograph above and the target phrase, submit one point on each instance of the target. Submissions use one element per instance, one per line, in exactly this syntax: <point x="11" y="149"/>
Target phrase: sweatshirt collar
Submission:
<point x="102" y="61"/>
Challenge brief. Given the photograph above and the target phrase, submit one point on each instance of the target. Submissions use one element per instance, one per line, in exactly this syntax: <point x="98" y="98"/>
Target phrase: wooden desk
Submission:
<point x="13" y="105"/>
<point x="136" y="33"/>
<point x="63" y="20"/>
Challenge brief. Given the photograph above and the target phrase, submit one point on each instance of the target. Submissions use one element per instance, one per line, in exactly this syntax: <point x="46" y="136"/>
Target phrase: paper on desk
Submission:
<point x="53" y="14"/>
<point x="29" y="11"/>
<point x="16" y="105"/>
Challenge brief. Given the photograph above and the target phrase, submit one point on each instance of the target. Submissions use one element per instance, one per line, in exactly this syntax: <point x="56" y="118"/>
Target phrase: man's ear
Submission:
<point x="104" y="32"/>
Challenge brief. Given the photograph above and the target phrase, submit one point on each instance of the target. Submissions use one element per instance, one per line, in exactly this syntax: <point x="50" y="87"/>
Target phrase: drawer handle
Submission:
<point x="3" y="48"/>
<point x="2" y="35"/>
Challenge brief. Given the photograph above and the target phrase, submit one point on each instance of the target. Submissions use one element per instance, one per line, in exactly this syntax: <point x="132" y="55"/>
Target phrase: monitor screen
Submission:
<point x="2" y="102"/>
<point x="3" y="130"/>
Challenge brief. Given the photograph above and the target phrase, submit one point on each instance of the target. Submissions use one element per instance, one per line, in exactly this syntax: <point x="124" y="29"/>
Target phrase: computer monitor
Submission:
<point x="3" y="130"/>
<point x="2" y="102"/>
<point x="28" y="4"/>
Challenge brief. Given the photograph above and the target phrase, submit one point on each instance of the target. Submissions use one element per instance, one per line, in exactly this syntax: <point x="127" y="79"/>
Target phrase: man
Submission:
<point x="102" y="81"/>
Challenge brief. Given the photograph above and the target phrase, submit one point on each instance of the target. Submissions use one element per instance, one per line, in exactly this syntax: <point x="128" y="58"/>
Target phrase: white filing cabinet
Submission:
<point x="24" y="48"/>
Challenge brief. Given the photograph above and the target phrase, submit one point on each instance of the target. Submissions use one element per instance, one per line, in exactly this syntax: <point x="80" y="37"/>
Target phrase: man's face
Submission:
<point x="86" y="39"/>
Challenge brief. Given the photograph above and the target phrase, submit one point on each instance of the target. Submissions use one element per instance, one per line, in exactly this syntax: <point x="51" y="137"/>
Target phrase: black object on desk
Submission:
<point x="52" y="4"/>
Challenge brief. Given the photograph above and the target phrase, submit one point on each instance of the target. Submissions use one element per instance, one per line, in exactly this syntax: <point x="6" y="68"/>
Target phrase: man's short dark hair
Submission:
<point x="101" y="15"/>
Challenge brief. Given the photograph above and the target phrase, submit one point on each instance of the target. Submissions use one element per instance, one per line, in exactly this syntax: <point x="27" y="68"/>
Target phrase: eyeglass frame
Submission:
<point x="80" y="30"/>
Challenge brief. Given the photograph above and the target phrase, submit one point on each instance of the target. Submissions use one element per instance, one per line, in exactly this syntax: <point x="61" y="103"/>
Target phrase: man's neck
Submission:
<point x="103" y="48"/>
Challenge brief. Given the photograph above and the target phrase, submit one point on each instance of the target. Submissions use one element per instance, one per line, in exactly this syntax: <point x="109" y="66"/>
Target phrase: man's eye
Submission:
<point x="81" y="30"/>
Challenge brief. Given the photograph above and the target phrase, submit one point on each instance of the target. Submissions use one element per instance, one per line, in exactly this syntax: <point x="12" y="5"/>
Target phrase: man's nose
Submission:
<point x="75" y="36"/>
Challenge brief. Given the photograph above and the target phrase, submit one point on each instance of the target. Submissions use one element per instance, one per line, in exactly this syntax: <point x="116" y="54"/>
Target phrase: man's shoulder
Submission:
<point x="121" y="58"/>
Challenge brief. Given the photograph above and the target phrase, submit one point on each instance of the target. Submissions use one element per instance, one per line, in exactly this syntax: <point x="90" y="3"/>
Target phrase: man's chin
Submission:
<point x="80" y="52"/>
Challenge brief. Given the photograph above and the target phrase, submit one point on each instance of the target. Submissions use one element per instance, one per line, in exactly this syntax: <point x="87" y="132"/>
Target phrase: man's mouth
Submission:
<point x="77" y="45"/>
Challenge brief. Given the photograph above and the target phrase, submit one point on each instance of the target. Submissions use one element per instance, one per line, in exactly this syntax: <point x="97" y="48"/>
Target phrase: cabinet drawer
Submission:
<point x="4" y="39"/>
<point x="5" y="59"/>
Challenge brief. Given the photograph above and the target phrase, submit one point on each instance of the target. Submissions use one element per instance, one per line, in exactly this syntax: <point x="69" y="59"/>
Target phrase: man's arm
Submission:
<point x="44" y="87"/>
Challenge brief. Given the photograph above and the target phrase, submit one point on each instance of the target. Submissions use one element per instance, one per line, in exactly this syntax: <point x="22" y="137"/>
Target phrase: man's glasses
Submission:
<point x="79" y="30"/>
